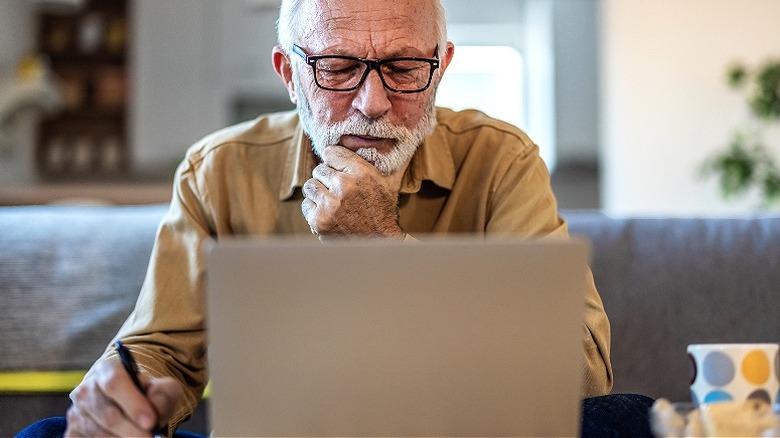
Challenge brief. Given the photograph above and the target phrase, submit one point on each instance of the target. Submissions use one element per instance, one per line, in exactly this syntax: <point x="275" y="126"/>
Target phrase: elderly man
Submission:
<point x="366" y="154"/>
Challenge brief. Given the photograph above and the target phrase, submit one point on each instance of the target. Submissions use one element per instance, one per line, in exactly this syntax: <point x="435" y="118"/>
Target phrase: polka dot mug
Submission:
<point x="723" y="372"/>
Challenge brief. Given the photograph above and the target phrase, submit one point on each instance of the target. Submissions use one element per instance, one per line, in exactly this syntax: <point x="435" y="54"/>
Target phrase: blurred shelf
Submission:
<point x="87" y="49"/>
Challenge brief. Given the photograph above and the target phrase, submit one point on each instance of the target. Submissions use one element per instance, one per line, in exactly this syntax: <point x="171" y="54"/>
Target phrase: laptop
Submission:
<point x="455" y="337"/>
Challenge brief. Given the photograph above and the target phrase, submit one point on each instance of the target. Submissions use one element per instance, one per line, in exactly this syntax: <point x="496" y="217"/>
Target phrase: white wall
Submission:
<point x="576" y="108"/>
<point x="15" y="36"/>
<point x="172" y="81"/>
<point x="191" y="61"/>
<point x="16" y="40"/>
<point x="665" y="103"/>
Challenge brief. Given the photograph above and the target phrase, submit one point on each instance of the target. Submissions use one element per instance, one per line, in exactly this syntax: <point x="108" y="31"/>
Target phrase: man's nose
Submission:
<point x="371" y="98"/>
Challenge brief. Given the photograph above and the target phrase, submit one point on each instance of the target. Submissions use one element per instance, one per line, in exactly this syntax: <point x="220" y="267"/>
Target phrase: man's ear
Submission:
<point x="283" y="68"/>
<point x="447" y="57"/>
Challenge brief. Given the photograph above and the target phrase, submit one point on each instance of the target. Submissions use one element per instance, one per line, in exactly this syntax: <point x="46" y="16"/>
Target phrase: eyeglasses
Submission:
<point x="347" y="73"/>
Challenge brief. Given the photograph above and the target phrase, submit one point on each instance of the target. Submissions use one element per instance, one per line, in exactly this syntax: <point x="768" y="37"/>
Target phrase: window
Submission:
<point x="487" y="78"/>
<point x="504" y="66"/>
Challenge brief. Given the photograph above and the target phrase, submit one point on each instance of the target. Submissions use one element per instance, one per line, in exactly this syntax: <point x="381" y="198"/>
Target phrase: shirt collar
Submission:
<point x="432" y="162"/>
<point x="298" y="165"/>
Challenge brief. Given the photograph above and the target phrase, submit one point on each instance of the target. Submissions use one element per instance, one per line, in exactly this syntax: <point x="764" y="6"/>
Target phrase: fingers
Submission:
<point x="321" y="193"/>
<point x="308" y="208"/>
<point x="117" y="386"/>
<point x="81" y="424"/>
<point x="341" y="169"/>
<point x="316" y="190"/>
<point x="343" y="159"/>
<point x="165" y="394"/>
<point x="108" y="403"/>
<point x="313" y="214"/>
<point x="326" y="175"/>
<point x="94" y="414"/>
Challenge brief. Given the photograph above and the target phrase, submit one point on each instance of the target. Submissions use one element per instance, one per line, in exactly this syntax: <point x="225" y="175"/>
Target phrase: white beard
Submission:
<point x="324" y="134"/>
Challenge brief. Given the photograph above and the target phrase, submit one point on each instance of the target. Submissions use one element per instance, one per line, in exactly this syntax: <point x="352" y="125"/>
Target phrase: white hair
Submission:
<point x="289" y="27"/>
<point x="289" y="13"/>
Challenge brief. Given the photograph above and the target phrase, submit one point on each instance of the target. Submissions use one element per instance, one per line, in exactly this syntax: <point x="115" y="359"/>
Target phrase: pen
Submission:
<point x="132" y="369"/>
<point x="129" y="363"/>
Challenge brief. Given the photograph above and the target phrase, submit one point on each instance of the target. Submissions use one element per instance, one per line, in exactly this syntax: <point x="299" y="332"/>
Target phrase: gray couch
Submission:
<point x="70" y="275"/>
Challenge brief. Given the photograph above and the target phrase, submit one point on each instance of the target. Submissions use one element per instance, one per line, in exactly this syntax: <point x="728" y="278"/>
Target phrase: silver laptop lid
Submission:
<point x="456" y="337"/>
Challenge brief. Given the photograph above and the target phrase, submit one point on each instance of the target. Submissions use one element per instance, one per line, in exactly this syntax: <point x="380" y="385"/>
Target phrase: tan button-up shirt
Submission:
<point x="473" y="174"/>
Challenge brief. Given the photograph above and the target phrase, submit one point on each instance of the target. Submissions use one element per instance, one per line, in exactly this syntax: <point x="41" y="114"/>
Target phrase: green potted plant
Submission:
<point x="747" y="163"/>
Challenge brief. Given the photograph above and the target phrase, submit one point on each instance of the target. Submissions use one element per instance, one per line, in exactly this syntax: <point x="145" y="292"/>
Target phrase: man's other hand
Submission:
<point x="107" y="403"/>
<point x="349" y="196"/>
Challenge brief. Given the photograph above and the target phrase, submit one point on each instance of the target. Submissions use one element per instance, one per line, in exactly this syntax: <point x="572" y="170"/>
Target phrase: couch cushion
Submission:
<point x="670" y="282"/>
<point x="69" y="276"/>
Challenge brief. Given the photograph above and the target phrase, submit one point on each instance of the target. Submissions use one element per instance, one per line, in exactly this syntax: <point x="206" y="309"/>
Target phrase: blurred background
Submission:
<point x="627" y="99"/>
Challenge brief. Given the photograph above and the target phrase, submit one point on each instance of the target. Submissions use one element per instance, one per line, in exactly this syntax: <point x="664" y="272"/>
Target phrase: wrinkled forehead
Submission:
<point x="383" y="26"/>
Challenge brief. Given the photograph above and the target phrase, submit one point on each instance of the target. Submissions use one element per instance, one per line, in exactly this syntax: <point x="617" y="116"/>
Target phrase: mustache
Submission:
<point x="361" y="126"/>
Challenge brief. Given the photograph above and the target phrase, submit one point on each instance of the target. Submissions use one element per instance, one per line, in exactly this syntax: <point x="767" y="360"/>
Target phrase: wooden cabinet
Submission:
<point x="87" y="49"/>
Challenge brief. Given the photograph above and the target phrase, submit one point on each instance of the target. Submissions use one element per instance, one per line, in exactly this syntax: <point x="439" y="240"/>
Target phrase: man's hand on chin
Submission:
<point x="347" y="195"/>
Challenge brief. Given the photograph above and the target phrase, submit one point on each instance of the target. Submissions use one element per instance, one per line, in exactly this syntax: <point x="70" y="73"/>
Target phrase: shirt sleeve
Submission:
<point x="523" y="202"/>
<point x="166" y="331"/>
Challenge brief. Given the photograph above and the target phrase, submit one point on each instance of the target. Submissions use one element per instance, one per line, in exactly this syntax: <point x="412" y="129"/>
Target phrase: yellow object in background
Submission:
<point x="31" y="67"/>
<point x="39" y="381"/>
<point x="20" y="382"/>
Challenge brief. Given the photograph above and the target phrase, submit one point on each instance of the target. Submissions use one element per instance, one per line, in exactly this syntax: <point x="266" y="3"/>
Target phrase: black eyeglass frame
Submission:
<point x="371" y="64"/>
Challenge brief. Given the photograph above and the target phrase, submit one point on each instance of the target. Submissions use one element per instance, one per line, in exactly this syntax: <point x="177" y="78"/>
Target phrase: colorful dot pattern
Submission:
<point x="718" y="369"/>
